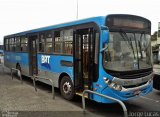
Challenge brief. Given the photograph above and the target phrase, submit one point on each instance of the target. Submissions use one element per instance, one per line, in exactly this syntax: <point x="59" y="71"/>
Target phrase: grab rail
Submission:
<point x="38" y="77"/>
<point x="19" y="73"/>
<point x="105" y="96"/>
<point x="1" y="64"/>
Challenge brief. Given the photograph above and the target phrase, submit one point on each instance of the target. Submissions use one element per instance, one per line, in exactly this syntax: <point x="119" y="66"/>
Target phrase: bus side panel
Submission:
<point x="12" y="58"/>
<point x="51" y="66"/>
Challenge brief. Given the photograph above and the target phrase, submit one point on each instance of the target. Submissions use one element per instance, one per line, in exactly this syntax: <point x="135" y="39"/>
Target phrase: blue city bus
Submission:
<point x="110" y="55"/>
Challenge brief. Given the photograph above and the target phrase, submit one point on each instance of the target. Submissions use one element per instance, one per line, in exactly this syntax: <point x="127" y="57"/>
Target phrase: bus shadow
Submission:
<point x="40" y="85"/>
<point x="157" y="92"/>
<point x="100" y="109"/>
<point x="29" y="81"/>
<point x="113" y="109"/>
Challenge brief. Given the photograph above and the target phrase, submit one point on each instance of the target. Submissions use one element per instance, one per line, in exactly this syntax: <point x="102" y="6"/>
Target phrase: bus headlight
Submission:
<point x="112" y="85"/>
<point x="107" y="81"/>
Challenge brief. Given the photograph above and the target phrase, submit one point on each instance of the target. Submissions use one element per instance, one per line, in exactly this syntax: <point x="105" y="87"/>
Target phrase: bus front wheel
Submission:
<point x="66" y="88"/>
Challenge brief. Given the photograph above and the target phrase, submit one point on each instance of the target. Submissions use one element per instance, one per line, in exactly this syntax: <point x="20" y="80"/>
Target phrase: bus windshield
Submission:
<point x="128" y="51"/>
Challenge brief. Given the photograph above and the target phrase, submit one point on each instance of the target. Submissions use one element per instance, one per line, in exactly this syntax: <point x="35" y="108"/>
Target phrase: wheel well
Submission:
<point x="60" y="78"/>
<point x="17" y="65"/>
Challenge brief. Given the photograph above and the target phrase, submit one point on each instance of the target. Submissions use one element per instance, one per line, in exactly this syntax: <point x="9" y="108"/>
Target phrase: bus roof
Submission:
<point x="98" y="20"/>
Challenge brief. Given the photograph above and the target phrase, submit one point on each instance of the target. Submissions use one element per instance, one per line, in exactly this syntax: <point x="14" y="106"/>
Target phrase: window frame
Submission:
<point x="23" y="43"/>
<point x="17" y="49"/>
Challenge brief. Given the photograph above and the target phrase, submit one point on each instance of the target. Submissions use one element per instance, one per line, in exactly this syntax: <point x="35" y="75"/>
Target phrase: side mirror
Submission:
<point x="104" y="28"/>
<point x="105" y="34"/>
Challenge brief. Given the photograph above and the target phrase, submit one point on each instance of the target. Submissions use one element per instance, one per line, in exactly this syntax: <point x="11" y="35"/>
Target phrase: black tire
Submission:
<point x="66" y="88"/>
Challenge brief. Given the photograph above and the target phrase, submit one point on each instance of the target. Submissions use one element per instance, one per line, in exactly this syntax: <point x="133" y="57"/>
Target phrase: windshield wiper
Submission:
<point x="142" y="48"/>
<point x="136" y="49"/>
<point x="139" y="42"/>
<point x="125" y="37"/>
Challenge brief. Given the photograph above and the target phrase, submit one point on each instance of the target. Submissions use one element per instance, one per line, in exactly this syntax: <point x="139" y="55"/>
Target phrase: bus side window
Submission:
<point x="67" y="41"/>
<point x="42" y="42"/>
<point x="57" y="42"/>
<point x="24" y="42"/>
<point x="6" y="44"/>
<point x="63" y="42"/>
<point x="49" y="42"/>
<point x="12" y="44"/>
<point x="17" y="41"/>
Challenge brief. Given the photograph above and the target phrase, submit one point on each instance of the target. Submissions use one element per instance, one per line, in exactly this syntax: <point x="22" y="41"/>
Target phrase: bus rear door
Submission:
<point x="33" y="54"/>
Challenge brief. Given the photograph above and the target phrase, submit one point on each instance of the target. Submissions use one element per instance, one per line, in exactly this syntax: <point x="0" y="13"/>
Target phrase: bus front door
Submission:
<point x="33" y="55"/>
<point x="83" y="58"/>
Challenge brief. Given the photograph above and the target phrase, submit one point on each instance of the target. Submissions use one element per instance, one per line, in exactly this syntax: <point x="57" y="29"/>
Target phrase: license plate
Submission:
<point x="137" y="92"/>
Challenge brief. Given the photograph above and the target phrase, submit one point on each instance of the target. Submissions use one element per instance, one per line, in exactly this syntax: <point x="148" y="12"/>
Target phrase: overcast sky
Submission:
<point x="21" y="15"/>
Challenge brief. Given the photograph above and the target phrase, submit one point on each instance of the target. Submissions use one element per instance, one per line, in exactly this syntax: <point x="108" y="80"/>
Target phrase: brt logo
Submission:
<point x="45" y="61"/>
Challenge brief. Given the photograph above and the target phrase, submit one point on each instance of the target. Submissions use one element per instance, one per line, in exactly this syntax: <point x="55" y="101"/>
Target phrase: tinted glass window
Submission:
<point x="24" y="43"/>
<point x="63" y="42"/>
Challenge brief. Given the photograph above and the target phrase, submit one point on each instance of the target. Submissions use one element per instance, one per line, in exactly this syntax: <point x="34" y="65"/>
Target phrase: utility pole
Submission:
<point x="77" y="10"/>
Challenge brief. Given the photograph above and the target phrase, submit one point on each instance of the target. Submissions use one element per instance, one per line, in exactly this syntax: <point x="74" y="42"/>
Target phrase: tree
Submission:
<point x="154" y="36"/>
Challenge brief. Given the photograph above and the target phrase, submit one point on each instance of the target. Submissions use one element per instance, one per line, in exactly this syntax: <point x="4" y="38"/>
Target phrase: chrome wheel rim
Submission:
<point x="67" y="88"/>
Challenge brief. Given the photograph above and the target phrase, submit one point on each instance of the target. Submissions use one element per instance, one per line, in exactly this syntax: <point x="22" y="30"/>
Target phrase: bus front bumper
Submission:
<point x="127" y="94"/>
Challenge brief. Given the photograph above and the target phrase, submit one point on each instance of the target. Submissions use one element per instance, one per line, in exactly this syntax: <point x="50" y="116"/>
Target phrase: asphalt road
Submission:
<point x="21" y="100"/>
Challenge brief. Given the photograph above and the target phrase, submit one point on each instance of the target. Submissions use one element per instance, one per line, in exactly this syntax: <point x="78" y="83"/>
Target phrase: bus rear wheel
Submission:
<point x="66" y="88"/>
